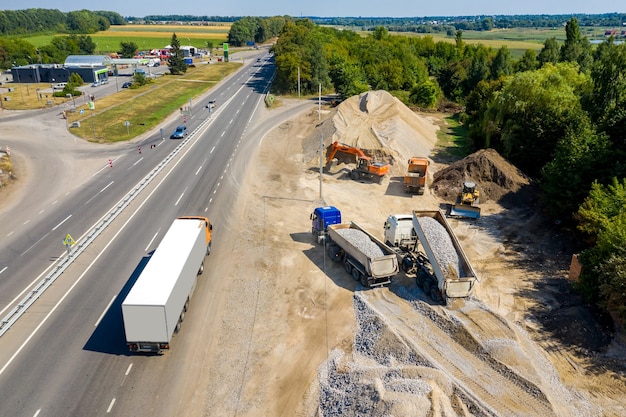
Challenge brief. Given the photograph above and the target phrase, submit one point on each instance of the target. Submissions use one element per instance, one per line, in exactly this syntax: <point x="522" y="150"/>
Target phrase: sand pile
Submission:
<point x="495" y="178"/>
<point x="378" y="123"/>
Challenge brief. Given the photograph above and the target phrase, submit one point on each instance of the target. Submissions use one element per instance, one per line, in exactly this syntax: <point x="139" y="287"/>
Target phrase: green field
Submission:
<point x="149" y="36"/>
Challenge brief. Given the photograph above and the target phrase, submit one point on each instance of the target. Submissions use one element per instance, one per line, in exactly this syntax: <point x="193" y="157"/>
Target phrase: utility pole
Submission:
<point x="319" y="117"/>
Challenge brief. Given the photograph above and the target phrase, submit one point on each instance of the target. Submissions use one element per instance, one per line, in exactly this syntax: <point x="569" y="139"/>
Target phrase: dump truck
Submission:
<point x="399" y="232"/>
<point x="156" y="304"/>
<point x="415" y="177"/>
<point x="444" y="270"/>
<point x="365" y="257"/>
<point x="321" y="218"/>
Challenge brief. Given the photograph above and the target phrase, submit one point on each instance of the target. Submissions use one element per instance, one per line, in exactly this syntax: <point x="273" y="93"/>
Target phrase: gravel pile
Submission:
<point x="362" y="242"/>
<point x="443" y="249"/>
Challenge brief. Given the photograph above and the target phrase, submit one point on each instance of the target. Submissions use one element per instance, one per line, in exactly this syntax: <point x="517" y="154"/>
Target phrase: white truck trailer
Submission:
<point x="365" y="257"/>
<point x="156" y="304"/>
<point x="445" y="271"/>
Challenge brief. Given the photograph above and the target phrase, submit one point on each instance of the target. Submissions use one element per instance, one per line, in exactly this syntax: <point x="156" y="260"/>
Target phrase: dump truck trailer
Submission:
<point x="444" y="271"/>
<point x="415" y="177"/>
<point x="156" y="304"/>
<point x="365" y="257"/>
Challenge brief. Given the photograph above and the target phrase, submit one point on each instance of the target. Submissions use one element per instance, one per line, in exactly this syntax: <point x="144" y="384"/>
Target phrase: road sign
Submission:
<point x="69" y="240"/>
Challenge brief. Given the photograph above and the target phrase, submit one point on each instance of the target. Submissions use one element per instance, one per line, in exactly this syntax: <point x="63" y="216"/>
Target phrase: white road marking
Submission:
<point x="58" y="225"/>
<point x="198" y="170"/>
<point x="41" y="211"/>
<point x="111" y="406"/>
<point x="54" y="202"/>
<point x="212" y="149"/>
<point x="152" y="240"/>
<point x="27" y="221"/>
<point x="37" y="413"/>
<point x="4" y="269"/>
<point x="138" y="161"/>
<point x="181" y="196"/>
<point x="107" y="186"/>
<point x="104" y="312"/>
<point x="128" y="370"/>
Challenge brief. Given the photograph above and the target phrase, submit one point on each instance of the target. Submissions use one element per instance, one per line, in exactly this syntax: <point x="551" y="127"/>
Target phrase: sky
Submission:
<point x="330" y="8"/>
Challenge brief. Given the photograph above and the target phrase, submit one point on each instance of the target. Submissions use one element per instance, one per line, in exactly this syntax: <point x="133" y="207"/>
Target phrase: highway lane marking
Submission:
<point x="111" y="406"/>
<point x="41" y="211"/>
<point x="27" y="221"/>
<point x="231" y="121"/>
<point x="128" y="370"/>
<point x="181" y="196"/>
<point x="223" y="133"/>
<point x="59" y="225"/>
<point x="4" y="269"/>
<point x="104" y="312"/>
<point x="106" y="166"/>
<point x="152" y="240"/>
<point x="133" y="165"/>
<point x="54" y="202"/>
<point x="198" y="170"/>
<point x="107" y="186"/>
<point x="10" y="233"/>
<point x="46" y="235"/>
<point x="37" y="413"/>
<point x="212" y="149"/>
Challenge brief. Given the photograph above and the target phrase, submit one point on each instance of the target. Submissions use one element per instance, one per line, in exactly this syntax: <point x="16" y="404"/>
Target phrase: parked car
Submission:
<point x="127" y="84"/>
<point x="211" y="105"/>
<point x="180" y="132"/>
<point x="59" y="86"/>
<point x="95" y="84"/>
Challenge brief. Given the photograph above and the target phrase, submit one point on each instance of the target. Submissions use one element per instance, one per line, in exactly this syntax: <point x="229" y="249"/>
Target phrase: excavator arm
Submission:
<point x="341" y="147"/>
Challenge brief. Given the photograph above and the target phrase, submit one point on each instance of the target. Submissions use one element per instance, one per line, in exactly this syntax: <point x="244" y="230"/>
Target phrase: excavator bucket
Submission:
<point x="464" y="210"/>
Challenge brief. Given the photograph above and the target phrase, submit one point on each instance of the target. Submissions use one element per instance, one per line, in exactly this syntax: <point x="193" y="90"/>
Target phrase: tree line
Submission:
<point x="559" y="115"/>
<point x="34" y="21"/>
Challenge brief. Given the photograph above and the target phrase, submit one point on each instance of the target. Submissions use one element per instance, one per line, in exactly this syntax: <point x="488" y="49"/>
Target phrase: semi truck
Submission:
<point x="156" y="304"/>
<point x="444" y="271"/>
<point x="321" y="218"/>
<point x="366" y="258"/>
<point x="399" y="232"/>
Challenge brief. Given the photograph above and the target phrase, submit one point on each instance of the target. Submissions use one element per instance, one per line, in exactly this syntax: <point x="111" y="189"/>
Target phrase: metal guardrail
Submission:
<point x="79" y="248"/>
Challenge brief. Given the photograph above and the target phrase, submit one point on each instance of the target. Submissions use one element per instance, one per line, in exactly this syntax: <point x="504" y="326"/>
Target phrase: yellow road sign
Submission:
<point x="69" y="240"/>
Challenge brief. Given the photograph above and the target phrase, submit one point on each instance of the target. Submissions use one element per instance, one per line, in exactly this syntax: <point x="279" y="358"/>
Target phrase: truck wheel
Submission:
<point x="356" y="274"/>
<point x="347" y="267"/>
<point x="380" y="179"/>
<point x="201" y="270"/>
<point x="208" y="249"/>
<point x="186" y="305"/>
<point x="182" y="316"/>
<point x="354" y="174"/>
<point x="334" y="252"/>
<point x="364" y="281"/>
<point x="435" y="295"/>
<point x="177" y="328"/>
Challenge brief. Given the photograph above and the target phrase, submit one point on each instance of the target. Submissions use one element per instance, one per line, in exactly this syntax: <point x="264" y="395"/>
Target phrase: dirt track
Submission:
<point x="293" y="342"/>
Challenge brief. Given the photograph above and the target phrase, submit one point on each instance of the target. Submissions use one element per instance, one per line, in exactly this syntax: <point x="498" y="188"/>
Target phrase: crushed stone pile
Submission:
<point x="441" y="243"/>
<point x="494" y="176"/>
<point x="378" y="123"/>
<point x="362" y="242"/>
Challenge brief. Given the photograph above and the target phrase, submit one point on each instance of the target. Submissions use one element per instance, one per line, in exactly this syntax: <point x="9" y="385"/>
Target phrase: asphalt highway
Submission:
<point x="66" y="356"/>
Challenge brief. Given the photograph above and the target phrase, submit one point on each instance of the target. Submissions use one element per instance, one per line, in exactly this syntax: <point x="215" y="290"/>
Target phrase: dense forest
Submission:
<point x="34" y="21"/>
<point x="559" y="115"/>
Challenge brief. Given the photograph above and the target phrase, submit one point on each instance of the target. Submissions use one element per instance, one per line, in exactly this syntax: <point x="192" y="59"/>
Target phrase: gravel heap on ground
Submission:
<point x="378" y="123"/>
<point x="495" y="178"/>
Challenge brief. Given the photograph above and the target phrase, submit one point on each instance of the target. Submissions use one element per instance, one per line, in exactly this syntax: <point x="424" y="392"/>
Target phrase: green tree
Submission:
<point x="128" y="49"/>
<point x="502" y="64"/>
<point x="527" y="62"/>
<point x="425" y="94"/>
<point x="177" y="60"/>
<point x="534" y="111"/>
<point x="549" y="54"/>
<point x="576" y="47"/>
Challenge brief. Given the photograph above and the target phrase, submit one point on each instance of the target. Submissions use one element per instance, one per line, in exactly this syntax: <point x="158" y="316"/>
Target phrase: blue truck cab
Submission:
<point x="321" y="218"/>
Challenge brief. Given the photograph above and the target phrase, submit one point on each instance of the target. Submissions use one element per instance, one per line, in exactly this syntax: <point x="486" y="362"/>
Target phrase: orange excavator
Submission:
<point x="365" y="167"/>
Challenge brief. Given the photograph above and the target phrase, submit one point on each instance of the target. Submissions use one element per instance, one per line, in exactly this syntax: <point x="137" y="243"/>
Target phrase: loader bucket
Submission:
<point x="464" y="210"/>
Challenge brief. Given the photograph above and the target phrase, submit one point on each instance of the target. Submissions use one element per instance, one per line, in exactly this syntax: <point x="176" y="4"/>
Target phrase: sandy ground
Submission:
<point x="299" y="337"/>
<point x="302" y="338"/>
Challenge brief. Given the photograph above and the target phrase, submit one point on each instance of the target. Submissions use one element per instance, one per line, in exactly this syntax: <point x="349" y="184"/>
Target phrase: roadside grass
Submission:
<point x="452" y="141"/>
<point x="145" y="107"/>
<point x="26" y="96"/>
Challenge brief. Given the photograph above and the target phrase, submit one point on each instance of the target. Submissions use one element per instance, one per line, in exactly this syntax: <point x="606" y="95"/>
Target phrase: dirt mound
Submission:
<point x="378" y="123"/>
<point x="494" y="176"/>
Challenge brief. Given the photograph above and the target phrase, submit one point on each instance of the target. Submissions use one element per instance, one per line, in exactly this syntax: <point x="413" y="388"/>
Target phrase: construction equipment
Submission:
<point x="366" y="167"/>
<point x="466" y="202"/>
<point x="415" y="177"/>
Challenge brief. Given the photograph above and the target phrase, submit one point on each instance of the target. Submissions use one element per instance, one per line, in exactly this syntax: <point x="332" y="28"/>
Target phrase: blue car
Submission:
<point x="180" y="132"/>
